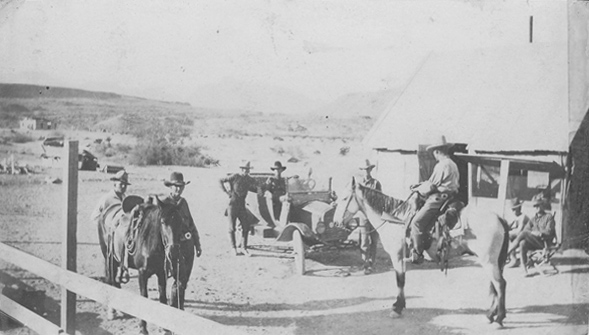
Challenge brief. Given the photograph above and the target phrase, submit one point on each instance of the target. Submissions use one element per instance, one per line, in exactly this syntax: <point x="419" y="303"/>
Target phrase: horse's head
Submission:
<point x="347" y="206"/>
<point x="171" y="231"/>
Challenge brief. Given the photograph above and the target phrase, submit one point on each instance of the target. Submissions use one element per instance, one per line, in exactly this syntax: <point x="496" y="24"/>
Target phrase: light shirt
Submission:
<point x="107" y="201"/>
<point x="445" y="176"/>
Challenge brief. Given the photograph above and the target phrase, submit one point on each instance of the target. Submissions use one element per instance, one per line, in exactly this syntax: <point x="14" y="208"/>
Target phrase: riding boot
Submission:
<point x="244" y="238"/>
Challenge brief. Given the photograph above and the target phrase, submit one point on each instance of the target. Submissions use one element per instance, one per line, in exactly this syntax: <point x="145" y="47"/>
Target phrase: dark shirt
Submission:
<point x="544" y="224"/>
<point x="240" y="184"/>
<point x="276" y="186"/>
<point x="184" y="213"/>
<point x="372" y="183"/>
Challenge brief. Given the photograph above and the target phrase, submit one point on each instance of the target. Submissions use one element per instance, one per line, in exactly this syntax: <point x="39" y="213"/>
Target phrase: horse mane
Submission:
<point x="380" y="201"/>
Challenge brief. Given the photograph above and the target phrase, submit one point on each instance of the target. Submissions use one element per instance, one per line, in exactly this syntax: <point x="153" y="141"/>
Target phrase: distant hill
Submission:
<point x="25" y="91"/>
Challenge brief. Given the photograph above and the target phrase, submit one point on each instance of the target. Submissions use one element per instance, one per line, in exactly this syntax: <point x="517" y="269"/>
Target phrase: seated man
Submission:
<point x="540" y="229"/>
<point x="516" y="227"/>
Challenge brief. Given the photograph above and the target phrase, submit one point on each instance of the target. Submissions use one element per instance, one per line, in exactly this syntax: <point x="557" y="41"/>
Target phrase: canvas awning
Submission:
<point x="556" y="170"/>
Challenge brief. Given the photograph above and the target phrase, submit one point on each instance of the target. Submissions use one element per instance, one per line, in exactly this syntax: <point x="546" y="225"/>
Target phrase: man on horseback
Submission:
<point x="176" y="184"/>
<point x="239" y="185"/>
<point x="112" y="202"/>
<point x="437" y="190"/>
<point x="368" y="235"/>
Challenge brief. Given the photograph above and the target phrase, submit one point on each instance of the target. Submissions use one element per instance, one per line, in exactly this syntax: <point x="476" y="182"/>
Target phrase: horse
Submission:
<point x="486" y="236"/>
<point x="153" y="233"/>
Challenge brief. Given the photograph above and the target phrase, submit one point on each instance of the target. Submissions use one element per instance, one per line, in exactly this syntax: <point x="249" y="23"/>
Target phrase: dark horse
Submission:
<point x="154" y="236"/>
<point x="485" y="235"/>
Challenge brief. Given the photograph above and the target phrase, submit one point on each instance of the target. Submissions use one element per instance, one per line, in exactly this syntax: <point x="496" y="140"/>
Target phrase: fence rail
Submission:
<point x="153" y="312"/>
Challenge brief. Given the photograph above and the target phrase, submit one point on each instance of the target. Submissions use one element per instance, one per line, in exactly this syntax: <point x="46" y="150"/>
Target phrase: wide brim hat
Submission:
<point x="121" y="176"/>
<point x="515" y="203"/>
<point x="278" y="166"/>
<point x="367" y="166"/>
<point x="247" y="166"/>
<point x="440" y="143"/>
<point x="176" y="179"/>
<point x="539" y="200"/>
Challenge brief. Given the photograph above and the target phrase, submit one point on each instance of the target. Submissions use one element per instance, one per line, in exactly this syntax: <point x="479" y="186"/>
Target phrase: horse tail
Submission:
<point x="505" y="245"/>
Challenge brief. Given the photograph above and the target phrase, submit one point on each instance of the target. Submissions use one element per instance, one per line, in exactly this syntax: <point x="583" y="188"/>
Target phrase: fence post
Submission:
<point x="69" y="241"/>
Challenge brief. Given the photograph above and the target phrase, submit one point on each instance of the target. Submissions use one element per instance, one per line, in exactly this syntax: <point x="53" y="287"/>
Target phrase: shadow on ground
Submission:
<point x="413" y="321"/>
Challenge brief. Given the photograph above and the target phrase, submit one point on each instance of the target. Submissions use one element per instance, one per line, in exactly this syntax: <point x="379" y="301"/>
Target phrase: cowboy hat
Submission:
<point x="121" y="176"/>
<point x="440" y="143"/>
<point x="278" y="166"/>
<point x="176" y="179"/>
<point x="515" y="203"/>
<point x="368" y="166"/>
<point x="539" y="200"/>
<point x="247" y="166"/>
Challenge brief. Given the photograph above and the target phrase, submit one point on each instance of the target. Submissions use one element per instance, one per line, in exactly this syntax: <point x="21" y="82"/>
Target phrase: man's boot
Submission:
<point x="244" y="238"/>
<point x="232" y="239"/>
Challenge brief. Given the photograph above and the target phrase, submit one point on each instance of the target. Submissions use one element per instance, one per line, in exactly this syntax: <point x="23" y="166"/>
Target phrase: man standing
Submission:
<point x="540" y="230"/>
<point x="515" y="227"/>
<point x="368" y="235"/>
<point x="441" y="186"/>
<point x="276" y="185"/>
<point x="111" y="204"/>
<point x="176" y="184"/>
<point x="239" y="185"/>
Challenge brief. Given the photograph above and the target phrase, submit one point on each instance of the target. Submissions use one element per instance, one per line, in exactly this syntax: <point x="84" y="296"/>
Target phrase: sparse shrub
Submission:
<point x="162" y="152"/>
<point x="21" y="138"/>
<point x="278" y="149"/>
<point x="344" y="150"/>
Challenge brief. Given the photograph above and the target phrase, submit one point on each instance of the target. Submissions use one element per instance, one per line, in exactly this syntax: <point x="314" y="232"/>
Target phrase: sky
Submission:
<point x="266" y="55"/>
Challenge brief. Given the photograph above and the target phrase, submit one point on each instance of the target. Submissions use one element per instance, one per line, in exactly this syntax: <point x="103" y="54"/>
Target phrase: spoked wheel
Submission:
<point x="299" y="252"/>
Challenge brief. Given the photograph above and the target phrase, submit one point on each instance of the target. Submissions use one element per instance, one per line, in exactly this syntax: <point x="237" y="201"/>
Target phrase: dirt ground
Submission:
<point x="261" y="294"/>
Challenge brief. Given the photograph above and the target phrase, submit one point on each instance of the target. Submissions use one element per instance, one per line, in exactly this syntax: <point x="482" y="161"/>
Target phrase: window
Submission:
<point x="485" y="181"/>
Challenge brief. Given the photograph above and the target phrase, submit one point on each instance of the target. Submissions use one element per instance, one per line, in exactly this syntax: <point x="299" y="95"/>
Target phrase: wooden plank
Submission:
<point x="503" y="180"/>
<point x="69" y="240"/>
<point x="28" y="317"/>
<point x="131" y="303"/>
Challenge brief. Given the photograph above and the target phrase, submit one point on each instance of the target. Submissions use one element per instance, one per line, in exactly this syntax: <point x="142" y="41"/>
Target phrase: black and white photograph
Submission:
<point x="294" y="167"/>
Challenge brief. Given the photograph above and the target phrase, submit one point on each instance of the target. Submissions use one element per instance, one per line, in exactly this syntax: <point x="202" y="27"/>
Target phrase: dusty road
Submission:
<point x="262" y="295"/>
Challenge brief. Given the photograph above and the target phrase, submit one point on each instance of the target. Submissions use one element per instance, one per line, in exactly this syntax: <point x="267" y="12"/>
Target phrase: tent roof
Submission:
<point x="500" y="100"/>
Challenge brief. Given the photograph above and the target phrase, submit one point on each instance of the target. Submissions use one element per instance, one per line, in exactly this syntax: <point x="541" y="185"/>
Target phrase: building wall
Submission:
<point x="576" y="227"/>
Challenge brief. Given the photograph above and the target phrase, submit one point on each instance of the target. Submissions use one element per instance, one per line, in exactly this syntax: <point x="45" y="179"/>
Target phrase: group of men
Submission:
<point x="442" y="186"/>
<point x="239" y="184"/>
<point x="115" y="198"/>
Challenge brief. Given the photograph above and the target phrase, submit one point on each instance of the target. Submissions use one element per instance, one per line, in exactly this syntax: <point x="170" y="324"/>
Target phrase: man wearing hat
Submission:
<point x="112" y="202"/>
<point x="239" y="185"/>
<point x="176" y="184"/>
<point x="540" y="229"/>
<point x="368" y="235"/>
<point x="113" y="198"/>
<point x="439" y="188"/>
<point x="276" y="185"/>
<point x="516" y="226"/>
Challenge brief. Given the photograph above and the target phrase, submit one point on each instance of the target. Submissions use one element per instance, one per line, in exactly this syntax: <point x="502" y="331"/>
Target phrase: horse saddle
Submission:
<point x="121" y="226"/>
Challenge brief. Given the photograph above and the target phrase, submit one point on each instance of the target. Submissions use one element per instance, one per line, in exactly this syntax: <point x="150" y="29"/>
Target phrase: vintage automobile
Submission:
<point x="306" y="218"/>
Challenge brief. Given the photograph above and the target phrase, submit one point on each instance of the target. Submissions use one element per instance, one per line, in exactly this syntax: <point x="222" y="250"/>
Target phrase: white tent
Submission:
<point x="508" y="99"/>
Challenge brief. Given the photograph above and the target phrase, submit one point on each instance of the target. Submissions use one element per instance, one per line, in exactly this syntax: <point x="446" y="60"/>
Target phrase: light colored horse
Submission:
<point x="486" y="236"/>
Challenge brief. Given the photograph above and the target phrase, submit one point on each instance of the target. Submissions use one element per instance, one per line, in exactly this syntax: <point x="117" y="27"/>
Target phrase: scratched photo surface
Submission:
<point x="325" y="92"/>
